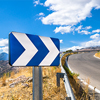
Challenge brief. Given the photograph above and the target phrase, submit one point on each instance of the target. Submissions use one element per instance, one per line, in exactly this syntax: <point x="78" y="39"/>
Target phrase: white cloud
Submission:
<point x="41" y="3"/>
<point x="4" y="49"/>
<point x="95" y="41"/>
<point x="69" y="12"/>
<point x="41" y="14"/>
<point x="88" y="27"/>
<point x="61" y="41"/>
<point x="3" y="42"/>
<point x="83" y="45"/>
<point x="72" y="48"/>
<point x="91" y="43"/>
<point x="78" y="28"/>
<point x="81" y="29"/>
<point x="4" y="45"/>
<point x="75" y="48"/>
<point x="86" y="44"/>
<point x="37" y="2"/>
<point x="85" y="32"/>
<point x="66" y="29"/>
<point x="95" y="36"/>
<point x="96" y="31"/>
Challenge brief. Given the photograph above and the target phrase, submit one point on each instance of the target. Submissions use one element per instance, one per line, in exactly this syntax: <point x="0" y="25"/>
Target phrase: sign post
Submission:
<point x="37" y="83"/>
<point x="33" y="50"/>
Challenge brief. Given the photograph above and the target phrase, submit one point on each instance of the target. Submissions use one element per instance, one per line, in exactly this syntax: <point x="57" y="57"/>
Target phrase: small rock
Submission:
<point x="21" y="78"/>
<point x="11" y="85"/>
<point x="31" y="93"/>
<point x="25" y="85"/>
<point x="6" y="81"/>
<point x="10" y="80"/>
<point x="2" y="95"/>
<point x="30" y="79"/>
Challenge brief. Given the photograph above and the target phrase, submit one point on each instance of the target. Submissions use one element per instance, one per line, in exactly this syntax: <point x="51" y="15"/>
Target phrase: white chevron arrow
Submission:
<point x="30" y="49"/>
<point x="53" y="51"/>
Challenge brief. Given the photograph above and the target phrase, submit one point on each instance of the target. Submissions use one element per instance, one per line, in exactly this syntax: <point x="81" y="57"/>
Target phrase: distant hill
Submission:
<point x="89" y="48"/>
<point x="4" y="64"/>
<point x="4" y="56"/>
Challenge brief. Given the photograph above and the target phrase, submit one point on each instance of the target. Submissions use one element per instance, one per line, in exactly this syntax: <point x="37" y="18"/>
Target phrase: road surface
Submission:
<point x="87" y="66"/>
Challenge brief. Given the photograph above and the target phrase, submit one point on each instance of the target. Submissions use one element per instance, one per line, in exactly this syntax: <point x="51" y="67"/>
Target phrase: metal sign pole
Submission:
<point x="37" y="83"/>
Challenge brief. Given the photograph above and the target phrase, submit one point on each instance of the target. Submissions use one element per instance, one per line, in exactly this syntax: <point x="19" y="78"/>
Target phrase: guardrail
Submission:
<point x="97" y="91"/>
<point x="66" y="82"/>
<point x="65" y="77"/>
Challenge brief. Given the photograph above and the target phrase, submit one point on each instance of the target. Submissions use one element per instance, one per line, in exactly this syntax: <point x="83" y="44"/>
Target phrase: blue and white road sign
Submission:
<point x="33" y="50"/>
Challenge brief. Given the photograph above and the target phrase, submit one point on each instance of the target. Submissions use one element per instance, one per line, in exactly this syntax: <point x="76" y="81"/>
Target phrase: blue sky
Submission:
<point x="75" y="23"/>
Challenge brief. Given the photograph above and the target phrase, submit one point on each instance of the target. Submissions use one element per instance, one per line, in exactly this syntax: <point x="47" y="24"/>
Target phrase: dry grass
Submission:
<point x="18" y="92"/>
<point x="64" y="57"/>
<point x="4" y="80"/>
<point x="85" y="94"/>
<point x="50" y="90"/>
<point x="12" y="74"/>
<point x="86" y="87"/>
<point x="81" y="93"/>
<point x="97" y="54"/>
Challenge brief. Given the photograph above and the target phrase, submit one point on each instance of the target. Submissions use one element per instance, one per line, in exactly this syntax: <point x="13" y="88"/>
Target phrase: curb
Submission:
<point x="96" y="57"/>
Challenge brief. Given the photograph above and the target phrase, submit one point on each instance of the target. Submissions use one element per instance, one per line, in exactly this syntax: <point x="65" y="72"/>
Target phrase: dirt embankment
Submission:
<point x="97" y="54"/>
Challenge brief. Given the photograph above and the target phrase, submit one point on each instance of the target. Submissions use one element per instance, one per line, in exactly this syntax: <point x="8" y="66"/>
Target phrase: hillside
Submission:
<point x="89" y="48"/>
<point x="19" y="86"/>
<point x="4" y="64"/>
<point x="4" y="67"/>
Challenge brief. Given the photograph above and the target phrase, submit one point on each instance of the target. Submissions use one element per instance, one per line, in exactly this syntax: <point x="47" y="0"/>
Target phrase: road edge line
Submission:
<point x="96" y="57"/>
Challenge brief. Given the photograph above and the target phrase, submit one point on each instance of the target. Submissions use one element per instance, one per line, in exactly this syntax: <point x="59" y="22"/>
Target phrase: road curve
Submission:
<point x="87" y="66"/>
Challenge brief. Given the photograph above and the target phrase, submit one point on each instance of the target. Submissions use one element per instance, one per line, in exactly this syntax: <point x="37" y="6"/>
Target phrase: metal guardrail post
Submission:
<point x="68" y="98"/>
<point x="58" y="76"/>
<point x="58" y="79"/>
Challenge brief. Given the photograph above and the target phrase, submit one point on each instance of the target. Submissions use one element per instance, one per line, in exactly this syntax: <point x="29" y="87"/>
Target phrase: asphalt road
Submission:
<point x="87" y="66"/>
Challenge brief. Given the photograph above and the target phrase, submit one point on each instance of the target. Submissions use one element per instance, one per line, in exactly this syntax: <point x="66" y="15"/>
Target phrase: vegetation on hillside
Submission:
<point x="17" y="92"/>
<point x="4" y="67"/>
<point x="97" y="54"/>
<point x="22" y="90"/>
<point x="50" y="89"/>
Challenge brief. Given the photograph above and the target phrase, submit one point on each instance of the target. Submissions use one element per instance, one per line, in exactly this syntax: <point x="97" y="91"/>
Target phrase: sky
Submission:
<point x="76" y="23"/>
